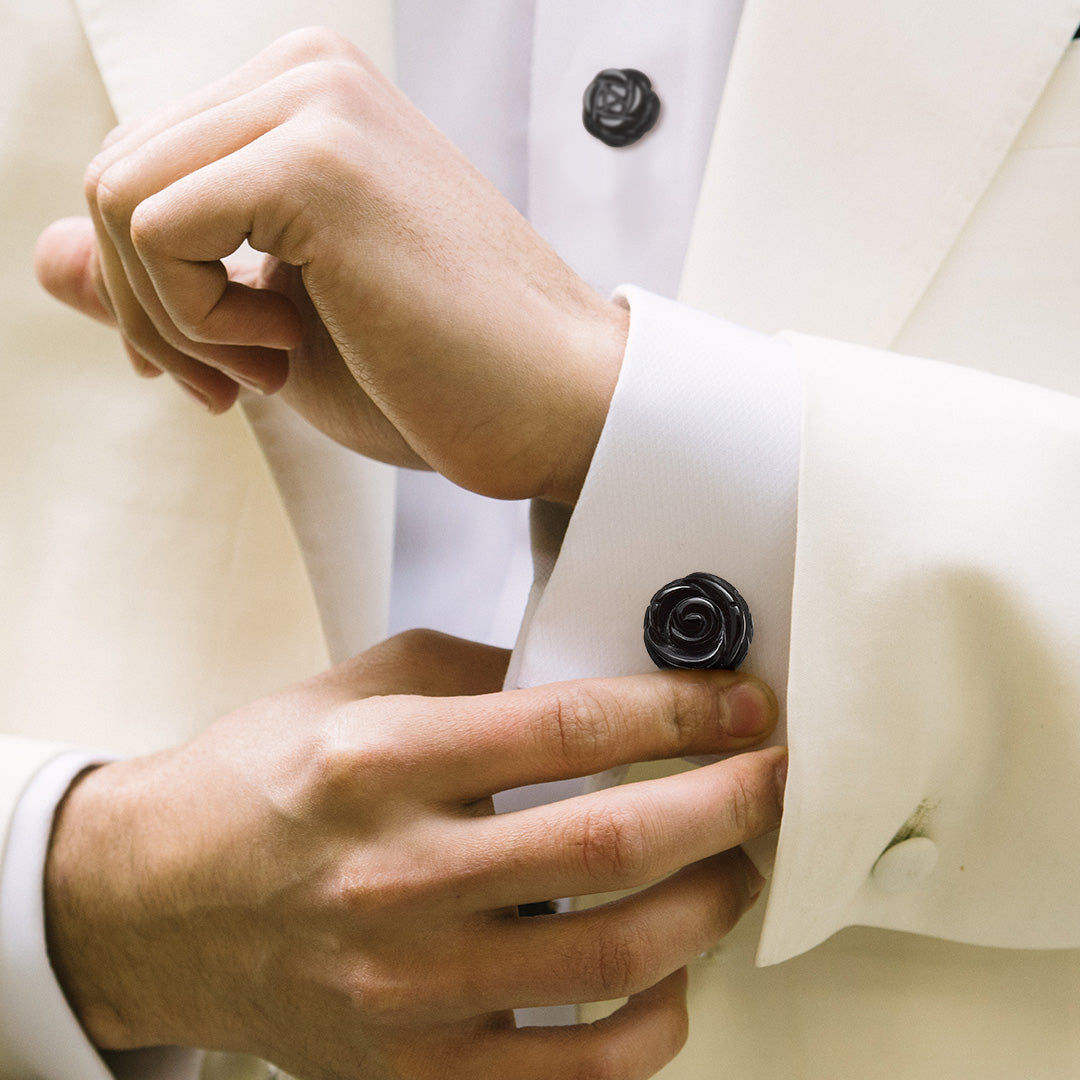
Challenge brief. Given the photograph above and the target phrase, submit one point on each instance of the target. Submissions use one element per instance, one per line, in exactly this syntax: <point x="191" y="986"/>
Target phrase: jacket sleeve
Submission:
<point x="932" y="682"/>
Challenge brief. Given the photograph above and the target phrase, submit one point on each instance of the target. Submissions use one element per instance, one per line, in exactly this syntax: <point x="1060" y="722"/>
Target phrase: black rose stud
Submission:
<point x="699" y="621"/>
<point x="620" y="106"/>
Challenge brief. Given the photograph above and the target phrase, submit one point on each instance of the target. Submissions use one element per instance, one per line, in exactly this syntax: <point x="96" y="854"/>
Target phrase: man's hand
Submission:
<point x="414" y="314"/>
<point x="318" y="879"/>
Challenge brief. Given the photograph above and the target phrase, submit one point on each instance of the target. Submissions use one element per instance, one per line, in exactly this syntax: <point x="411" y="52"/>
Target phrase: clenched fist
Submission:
<point x="405" y="307"/>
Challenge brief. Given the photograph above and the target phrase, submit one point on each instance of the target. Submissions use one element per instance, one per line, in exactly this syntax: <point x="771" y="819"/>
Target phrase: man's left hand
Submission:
<point x="405" y="306"/>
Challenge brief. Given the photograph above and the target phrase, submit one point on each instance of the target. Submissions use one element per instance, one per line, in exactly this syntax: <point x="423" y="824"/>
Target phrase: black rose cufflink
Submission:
<point x="699" y="621"/>
<point x="620" y="106"/>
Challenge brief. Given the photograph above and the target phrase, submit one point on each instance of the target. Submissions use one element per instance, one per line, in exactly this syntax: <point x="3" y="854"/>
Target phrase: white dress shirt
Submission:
<point x="505" y="82"/>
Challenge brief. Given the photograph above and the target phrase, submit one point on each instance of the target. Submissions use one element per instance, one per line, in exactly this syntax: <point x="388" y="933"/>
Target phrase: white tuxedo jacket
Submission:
<point x="886" y="180"/>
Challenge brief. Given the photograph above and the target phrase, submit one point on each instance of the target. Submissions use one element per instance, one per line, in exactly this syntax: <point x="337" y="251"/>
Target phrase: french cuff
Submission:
<point x="696" y="469"/>
<point x="39" y="1034"/>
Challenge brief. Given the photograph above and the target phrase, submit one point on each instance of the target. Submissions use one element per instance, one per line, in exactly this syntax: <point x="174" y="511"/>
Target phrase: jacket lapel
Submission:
<point x="149" y="51"/>
<point x="341" y="506"/>
<point x="852" y="144"/>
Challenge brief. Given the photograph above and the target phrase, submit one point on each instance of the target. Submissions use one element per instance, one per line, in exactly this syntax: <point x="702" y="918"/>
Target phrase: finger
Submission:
<point x="145" y="370"/>
<point x="631" y="1044"/>
<point x="179" y="236"/>
<point x="622" y="837"/>
<point x="180" y="141"/>
<point x="66" y="265"/>
<point x="414" y="662"/>
<point x="145" y="346"/>
<point x="254" y="351"/>
<point x="616" y="949"/>
<point x="143" y="321"/>
<point x="563" y="730"/>
<point x="146" y="324"/>
<point x="159" y="168"/>
<point x="308" y="45"/>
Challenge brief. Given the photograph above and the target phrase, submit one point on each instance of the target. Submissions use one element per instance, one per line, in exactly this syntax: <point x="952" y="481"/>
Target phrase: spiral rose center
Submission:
<point x="695" y="619"/>
<point x="698" y="621"/>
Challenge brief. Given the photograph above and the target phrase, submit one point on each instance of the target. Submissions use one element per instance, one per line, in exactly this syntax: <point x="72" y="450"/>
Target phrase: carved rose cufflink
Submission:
<point x="699" y="621"/>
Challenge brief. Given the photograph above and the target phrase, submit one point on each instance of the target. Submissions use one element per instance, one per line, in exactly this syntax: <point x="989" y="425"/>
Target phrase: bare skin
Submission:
<point x="318" y="878"/>
<point x="405" y="307"/>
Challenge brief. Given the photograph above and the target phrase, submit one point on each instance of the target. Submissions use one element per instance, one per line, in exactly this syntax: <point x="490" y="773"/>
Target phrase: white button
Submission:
<point x="905" y="864"/>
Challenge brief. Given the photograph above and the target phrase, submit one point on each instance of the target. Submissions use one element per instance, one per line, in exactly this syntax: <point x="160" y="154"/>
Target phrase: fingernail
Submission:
<point x="141" y="366"/>
<point x="754" y="881"/>
<point x="251" y="383"/>
<point x="750" y="710"/>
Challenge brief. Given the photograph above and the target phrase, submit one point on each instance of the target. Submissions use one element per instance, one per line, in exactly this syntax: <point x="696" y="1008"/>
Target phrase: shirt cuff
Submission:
<point x="39" y="1033"/>
<point x="697" y="468"/>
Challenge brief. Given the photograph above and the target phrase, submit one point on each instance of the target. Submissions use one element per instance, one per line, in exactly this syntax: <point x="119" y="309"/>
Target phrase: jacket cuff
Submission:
<point x="936" y="625"/>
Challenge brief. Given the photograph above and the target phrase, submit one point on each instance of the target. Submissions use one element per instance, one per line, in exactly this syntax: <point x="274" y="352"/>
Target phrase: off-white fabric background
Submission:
<point x="951" y="199"/>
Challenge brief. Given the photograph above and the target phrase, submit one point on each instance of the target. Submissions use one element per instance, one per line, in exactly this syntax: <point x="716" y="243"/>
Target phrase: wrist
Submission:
<point x="598" y="349"/>
<point x="85" y="911"/>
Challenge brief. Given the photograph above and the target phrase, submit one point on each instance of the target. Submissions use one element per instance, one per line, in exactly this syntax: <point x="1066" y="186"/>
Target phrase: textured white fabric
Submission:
<point x="872" y="175"/>
<point x="34" y="1016"/>
<point x="696" y="469"/>
<point x="721" y="498"/>
<point x="971" y="726"/>
<point x="505" y="82"/>
<point x="461" y="562"/>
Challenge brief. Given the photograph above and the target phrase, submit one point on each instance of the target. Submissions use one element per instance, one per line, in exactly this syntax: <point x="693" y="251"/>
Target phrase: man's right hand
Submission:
<point x="319" y="879"/>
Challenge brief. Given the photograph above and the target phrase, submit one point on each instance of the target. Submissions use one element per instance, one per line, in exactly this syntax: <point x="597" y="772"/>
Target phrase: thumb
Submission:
<point x="66" y="264"/>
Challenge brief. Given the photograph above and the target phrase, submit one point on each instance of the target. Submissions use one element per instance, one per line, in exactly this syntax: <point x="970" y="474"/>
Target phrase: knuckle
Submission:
<point x="344" y="79"/>
<point x="313" y="43"/>
<point x="323" y="83"/>
<point x="694" y="709"/>
<point x="743" y="804"/>
<point x="93" y="175"/>
<point x="343" y="767"/>
<point x="354" y="898"/>
<point x="678" y="706"/>
<point x="320" y="141"/>
<point x="579" y="723"/>
<point x="381" y="996"/>
<point x="621" y="962"/>
<point x="415" y="644"/>
<point x="393" y="993"/>
<point x="110" y="194"/>
<point x="146" y="224"/>
<point x="611" y="844"/>
<point x="384" y="893"/>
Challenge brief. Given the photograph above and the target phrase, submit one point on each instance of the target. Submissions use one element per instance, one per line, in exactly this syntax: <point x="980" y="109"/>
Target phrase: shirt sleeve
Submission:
<point x="39" y="1034"/>
<point x="904" y="532"/>
<point x="696" y="469"/>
